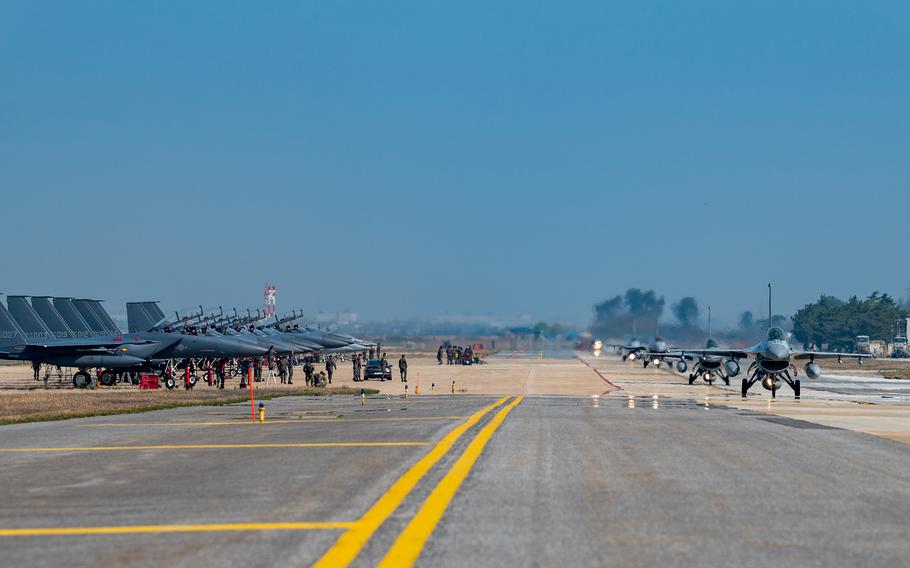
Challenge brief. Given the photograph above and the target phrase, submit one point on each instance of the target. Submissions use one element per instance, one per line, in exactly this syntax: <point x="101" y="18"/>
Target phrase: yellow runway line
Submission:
<point x="349" y="545"/>
<point x="411" y="541"/>
<point x="246" y="421"/>
<point x="64" y="531"/>
<point x="216" y="447"/>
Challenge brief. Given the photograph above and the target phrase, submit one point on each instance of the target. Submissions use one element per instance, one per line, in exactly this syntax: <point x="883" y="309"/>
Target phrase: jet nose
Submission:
<point x="777" y="351"/>
<point x="661" y="346"/>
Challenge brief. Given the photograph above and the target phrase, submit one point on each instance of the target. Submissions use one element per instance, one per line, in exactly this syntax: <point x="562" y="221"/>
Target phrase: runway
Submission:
<point x="655" y="473"/>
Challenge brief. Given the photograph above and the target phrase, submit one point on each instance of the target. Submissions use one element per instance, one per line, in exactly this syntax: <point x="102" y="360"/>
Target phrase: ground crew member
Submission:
<point x="244" y="371"/>
<point x="439" y="355"/>
<point x="36" y="368"/>
<point x="330" y="367"/>
<point x="291" y="369"/>
<point x="371" y="353"/>
<point x="222" y="371"/>
<point x="378" y="350"/>
<point x="283" y="369"/>
<point x="257" y="370"/>
<point x="357" y="368"/>
<point x="403" y="368"/>
<point x="308" y="369"/>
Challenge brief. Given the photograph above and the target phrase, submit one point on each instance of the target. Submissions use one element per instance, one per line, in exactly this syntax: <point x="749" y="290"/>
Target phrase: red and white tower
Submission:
<point x="271" y="292"/>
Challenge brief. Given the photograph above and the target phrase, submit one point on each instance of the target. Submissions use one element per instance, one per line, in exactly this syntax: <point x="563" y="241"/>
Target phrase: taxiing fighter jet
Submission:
<point x="707" y="367"/>
<point x="773" y="360"/>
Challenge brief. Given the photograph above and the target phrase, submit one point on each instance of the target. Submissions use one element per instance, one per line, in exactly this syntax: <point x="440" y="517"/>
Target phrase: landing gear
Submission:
<point x="108" y="378"/>
<point x="81" y="379"/>
<point x="726" y="380"/>
<point x="691" y="378"/>
<point x="746" y="385"/>
<point x="796" y="388"/>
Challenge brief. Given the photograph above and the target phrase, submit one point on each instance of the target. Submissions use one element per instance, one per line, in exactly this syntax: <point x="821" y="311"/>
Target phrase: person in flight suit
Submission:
<point x="403" y="368"/>
<point x="330" y="367"/>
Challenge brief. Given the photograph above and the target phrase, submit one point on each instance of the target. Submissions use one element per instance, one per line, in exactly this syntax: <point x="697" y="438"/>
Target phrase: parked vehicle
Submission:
<point x="378" y="369"/>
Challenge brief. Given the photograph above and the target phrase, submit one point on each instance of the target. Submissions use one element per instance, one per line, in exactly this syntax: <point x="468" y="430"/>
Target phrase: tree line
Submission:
<point x="835" y="323"/>
<point x="827" y="322"/>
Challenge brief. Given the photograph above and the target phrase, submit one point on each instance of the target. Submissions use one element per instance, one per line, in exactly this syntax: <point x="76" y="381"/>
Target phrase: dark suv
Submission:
<point x="378" y="369"/>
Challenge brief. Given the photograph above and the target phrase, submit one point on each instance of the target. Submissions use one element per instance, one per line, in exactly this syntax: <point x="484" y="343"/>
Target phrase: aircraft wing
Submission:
<point x="673" y="355"/>
<point x="828" y="355"/>
<point x="731" y="353"/>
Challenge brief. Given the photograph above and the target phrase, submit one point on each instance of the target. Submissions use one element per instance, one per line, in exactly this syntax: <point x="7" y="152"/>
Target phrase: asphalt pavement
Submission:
<point x="622" y="478"/>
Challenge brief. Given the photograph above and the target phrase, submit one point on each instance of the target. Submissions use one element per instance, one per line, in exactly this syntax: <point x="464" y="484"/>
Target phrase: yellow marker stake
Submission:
<point x="261" y="413"/>
<point x="453" y="387"/>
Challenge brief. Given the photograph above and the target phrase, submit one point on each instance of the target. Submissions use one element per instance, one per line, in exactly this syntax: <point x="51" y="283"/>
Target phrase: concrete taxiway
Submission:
<point x="630" y="467"/>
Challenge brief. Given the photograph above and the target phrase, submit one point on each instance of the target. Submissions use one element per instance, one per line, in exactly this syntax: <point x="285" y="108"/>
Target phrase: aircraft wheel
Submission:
<point x="796" y="388"/>
<point x="745" y="387"/>
<point x="170" y="383"/>
<point x="107" y="378"/>
<point x="193" y="380"/>
<point x="81" y="380"/>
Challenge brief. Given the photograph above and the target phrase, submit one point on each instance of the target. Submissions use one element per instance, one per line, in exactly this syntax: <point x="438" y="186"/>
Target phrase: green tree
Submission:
<point x="837" y="323"/>
<point x="686" y="311"/>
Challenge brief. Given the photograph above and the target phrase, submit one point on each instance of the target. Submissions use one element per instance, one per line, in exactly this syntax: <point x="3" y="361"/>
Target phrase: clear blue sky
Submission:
<point x="422" y="158"/>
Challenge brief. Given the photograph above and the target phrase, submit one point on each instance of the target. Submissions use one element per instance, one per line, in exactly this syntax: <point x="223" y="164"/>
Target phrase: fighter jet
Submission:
<point x="331" y="341"/>
<point x="707" y="367"/>
<point x="773" y="358"/>
<point x="82" y="353"/>
<point x="648" y="354"/>
<point x="629" y="351"/>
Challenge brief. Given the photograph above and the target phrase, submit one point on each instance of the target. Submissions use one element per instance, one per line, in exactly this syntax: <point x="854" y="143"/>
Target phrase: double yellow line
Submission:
<point x="410" y="542"/>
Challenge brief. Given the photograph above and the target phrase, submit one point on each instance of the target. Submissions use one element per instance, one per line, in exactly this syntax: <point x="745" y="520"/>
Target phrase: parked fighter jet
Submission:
<point x="110" y="353"/>
<point x="81" y="353"/>
<point x="773" y="360"/>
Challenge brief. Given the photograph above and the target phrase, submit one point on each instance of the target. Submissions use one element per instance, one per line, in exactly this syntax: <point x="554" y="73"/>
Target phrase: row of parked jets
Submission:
<point x="80" y="334"/>
<point x="772" y="360"/>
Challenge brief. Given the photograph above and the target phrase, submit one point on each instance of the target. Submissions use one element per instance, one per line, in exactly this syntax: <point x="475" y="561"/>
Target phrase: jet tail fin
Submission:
<point x="138" y="318"/>
<point x="153" y="310"/>
<point x="28" y="320"/>
<point x="10" y="332"/>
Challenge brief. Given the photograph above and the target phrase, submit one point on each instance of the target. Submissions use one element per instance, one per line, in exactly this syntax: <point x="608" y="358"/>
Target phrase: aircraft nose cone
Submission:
<point x="778" y="351"/>
<point x="661" y="346"/>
